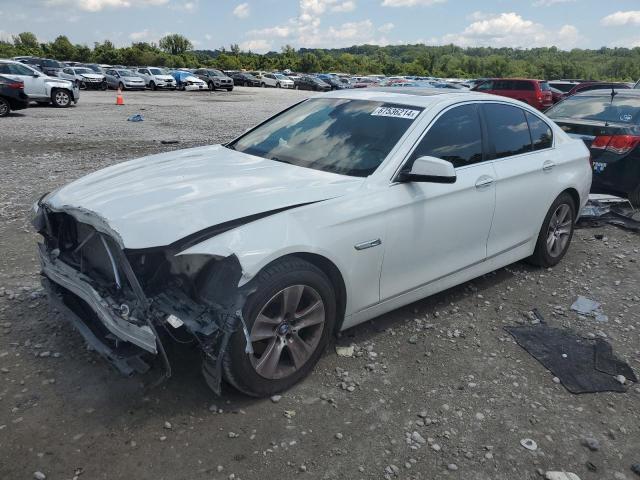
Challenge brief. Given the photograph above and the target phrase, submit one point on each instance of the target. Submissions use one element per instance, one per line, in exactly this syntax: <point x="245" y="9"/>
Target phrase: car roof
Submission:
<point x="606" y="92"/>
<point x="419" y="97"/>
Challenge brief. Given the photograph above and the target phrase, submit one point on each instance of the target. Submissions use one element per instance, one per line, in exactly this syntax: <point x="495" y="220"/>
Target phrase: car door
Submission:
<point x="436" y="229"/>
<point x="110" y="77"/>
<point x="68" y="74"/>
<point x="523" y="190"/>
<point x="34" y="85"/>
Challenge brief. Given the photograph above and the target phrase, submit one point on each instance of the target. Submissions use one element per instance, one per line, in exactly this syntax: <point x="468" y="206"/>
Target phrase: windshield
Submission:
<point x="155" y="71"/>
<point x="217" y="73"/>
<point x="623" y="109"/>
<point x="349" y="137"/>
<point x="126" y="73"/>
<point x="83" y="70"/>
<point x="279" y="76"/>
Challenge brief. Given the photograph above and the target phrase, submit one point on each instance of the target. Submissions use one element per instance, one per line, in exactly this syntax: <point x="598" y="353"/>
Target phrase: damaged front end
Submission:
<point x="125" y="303"/>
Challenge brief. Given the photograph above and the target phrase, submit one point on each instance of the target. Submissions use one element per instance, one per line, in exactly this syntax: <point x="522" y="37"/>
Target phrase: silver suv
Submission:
<point x="155" y="78"/>
<point x="39" y="87"/>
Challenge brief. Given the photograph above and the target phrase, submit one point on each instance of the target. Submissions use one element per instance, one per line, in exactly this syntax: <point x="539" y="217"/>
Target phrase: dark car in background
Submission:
<point x="609" y="123"/>
<point x="48" y="66"/>
<point x="536" y="93"/>
<point x="587" y="86"/>
<point x="12" y="96"/>
<point x="307" y="82"/>
<point x="334" y="82"/>
<point x="214" y="79"/>
<point x="245" y="79"/>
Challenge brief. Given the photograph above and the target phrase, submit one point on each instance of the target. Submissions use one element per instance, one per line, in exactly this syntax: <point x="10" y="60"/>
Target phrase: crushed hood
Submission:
<point x="158" y="200"/>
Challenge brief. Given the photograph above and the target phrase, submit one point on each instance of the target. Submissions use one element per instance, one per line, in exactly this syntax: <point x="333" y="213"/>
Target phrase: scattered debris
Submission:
<point x="276" y="398"/>
<point x="582" y="365"/>
<point x="591" y="443"/>
<point x="345" y="351"/>
<point x="169" y="142"/>
<point x="561" y="476"/>
<point x="529" y="444"/>
<point x="608" y="209"/>
<point x="39" y="476"/>
<point x="635" y="468"/>
<point x="136" y="118"/>
<point x="586" y="306"/>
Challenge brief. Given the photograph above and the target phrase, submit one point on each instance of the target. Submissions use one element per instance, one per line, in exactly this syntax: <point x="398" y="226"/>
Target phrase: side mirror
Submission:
<point x="429" y="169"/>
<point x="35" y="74"/>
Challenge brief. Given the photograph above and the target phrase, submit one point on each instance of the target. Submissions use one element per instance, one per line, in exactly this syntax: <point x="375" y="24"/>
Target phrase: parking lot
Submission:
<point x="437" y="389"/>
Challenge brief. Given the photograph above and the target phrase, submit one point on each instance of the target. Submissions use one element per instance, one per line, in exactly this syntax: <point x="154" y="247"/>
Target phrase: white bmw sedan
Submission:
<point x="336" y="210"/>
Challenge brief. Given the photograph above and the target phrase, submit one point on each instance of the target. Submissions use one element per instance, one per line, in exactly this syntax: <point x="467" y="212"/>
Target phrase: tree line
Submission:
<point x="176" y="51"/>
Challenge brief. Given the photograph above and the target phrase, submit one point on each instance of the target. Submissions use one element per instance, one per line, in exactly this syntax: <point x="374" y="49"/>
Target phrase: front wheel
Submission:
<point x="290" y="318"/>
<point x="61" y="98"/>
<point x="121" y="86"/>
<point x="152" y="86"/>
<point x="5" y="108"/>
<point x="556" y="232"/>
<point x="263" y="85"/>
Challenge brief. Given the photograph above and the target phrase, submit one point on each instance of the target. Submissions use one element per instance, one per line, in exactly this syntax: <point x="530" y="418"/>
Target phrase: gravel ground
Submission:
<point x="434" y="390"/>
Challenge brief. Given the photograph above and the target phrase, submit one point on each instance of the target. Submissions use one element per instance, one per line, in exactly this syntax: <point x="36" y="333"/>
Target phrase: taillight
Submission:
<point x="618" y="144"/>
<point x="15" y="85"/>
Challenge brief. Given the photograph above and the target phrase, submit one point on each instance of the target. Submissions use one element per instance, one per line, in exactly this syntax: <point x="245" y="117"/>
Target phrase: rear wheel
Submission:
<point x="5" y="108"/>
<point x="556" y="232"/>
<point x="121" y="86"/>
<point x="290" y="318"/>
<point x="211" y="86"/>
<point x="152" y="85"/>
<point x="246" y="84"/>
<point x="263" y="85"/>
<point x="61" y="98"/>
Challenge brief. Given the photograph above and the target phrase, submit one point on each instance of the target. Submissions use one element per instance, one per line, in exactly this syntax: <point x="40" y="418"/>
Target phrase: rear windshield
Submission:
<point x="563" y="87"/>
<point x="126" y="73"/>
<point x="349" y="137"/>
<point x="83" y="70"/>
<point x="623" y="109"/>
<point x="544" y="86"/>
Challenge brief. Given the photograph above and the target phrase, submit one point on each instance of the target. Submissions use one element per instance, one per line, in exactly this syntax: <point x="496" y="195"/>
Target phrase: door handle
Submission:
<point x="548" y="166"/>
<point x="484" y="182"/>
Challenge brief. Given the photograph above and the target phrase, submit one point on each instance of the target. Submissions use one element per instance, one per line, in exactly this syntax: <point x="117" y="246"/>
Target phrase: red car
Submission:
<point x="536" y="93"/>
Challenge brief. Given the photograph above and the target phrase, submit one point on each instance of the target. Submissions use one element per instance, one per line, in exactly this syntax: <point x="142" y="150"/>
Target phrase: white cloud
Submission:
<point x="348" y="6"/>
<point x="242" y="11"/>
<point x="139" y="36"/>
<point x="410" y="3"/>
<point x="306" y="30"/>
<point x="549" y="3"/>
<point x="511" y="30"/>
<point x="631" y="17"/>
<point x="258" y="45"/>
<point x="98" y="5"/>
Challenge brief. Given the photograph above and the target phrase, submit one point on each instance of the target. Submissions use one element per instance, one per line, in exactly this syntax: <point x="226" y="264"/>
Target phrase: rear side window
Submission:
<point x="544" y="86"/>
<point x="456" y="137"/>
<point x="508" y="129"/>
<point x="524" y="85"/>
<point x="541" y="135"/>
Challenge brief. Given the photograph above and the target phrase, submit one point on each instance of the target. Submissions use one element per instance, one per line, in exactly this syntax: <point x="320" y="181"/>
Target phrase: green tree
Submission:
<point x="26" y="40"/>
<point x="175" y="44"/>
<point x="61" y="48"/>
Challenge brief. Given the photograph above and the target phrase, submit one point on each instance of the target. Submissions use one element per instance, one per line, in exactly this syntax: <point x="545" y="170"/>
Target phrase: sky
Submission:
<point x="264" y="25"/>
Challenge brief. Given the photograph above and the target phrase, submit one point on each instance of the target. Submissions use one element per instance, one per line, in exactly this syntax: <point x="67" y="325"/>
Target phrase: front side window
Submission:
<point x="18" y="69"/>
<point x="541" y="135"/>
<point x="488" y="85"/>
<point x="348" y="137"/>
<point x="508" y="129"/>
<point x="456" y="137"/>
<point x="126" y="73"/>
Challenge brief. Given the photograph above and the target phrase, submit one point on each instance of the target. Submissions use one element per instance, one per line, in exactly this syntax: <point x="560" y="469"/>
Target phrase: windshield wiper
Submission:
<point x="276" y="159"/>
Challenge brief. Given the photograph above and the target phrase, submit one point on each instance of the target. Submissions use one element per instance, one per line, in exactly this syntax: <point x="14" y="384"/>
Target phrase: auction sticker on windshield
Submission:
<point x="395" y="112"/>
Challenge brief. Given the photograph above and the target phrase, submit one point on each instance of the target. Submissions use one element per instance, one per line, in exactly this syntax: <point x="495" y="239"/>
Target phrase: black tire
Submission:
<point x="278" y="85"/>
<point x="297" y="87"/>
<point x="246" y="84"/>
<point x="61" y="98"/>
<point x="121" y="86"/>
<point x="237" y="367"/>
<point x="542" y="256"/>
<point x="152" y="85"/>
<point x="229" y="89"/>
<point x="211" y="86"/>
<point x="634" y="197"/>
<point x="104" y="86"/>
<point x="5" y="107"/>
<point x="263" y="85"/>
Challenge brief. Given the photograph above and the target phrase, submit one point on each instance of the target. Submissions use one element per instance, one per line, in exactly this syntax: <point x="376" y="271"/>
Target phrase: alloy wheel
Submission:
<point x="287" y="331"/>
<point x="4" y="108"/>
<point x="559" y="230"/>
<point x="62" y="98"/>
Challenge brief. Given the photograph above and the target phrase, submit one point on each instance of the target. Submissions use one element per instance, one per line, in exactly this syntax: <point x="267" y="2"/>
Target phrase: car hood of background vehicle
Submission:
<point x="132" y="79"/>
<point x="157" y="200"/>
<point x="95" y="76"/>
<point x="165" y="77"/>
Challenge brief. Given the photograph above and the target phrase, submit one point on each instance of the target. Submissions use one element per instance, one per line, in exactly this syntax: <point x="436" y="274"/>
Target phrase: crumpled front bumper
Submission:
<point x="102" y="322"/>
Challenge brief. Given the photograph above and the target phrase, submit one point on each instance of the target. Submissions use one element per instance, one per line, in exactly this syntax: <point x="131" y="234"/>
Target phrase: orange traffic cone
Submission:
<point x="119" y="99"/>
